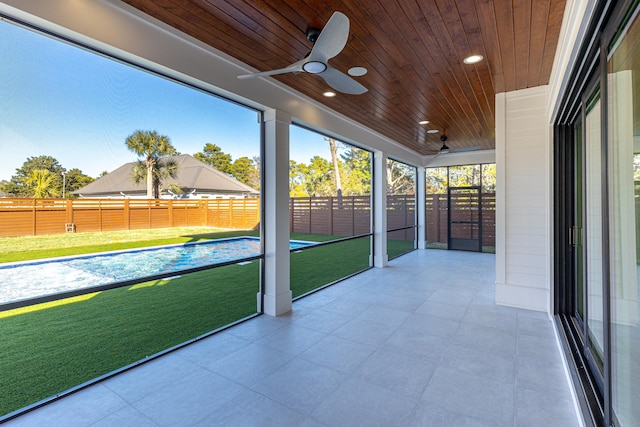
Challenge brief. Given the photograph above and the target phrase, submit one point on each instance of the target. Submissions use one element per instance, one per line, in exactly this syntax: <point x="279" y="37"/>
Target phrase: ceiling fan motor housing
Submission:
<point x="312" y="34"/>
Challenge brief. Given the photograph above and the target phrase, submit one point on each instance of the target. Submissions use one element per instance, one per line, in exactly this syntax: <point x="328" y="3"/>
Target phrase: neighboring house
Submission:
<point x="197" y="180"/>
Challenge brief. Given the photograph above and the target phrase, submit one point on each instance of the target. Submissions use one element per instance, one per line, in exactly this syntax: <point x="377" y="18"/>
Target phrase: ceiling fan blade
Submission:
<point x="341" y="82"/>
<point x="332" y="38"/>
<point x="464" y="149"/>
<point x="296" y="67"/>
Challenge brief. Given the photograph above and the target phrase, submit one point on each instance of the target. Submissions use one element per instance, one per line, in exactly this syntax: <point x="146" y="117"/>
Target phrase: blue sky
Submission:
<point x="65" y="102"/>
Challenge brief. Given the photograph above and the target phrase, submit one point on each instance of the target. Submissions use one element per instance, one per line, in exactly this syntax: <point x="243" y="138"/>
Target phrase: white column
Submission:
<point x="380" y="258"/>
<point x="420" y="207"/>
<point x="277" y="289"/>
<point x="501" y="224"/>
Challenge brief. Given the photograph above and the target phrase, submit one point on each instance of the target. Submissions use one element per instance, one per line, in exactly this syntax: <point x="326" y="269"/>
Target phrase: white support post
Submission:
<point x="421" y="206"/>
<point x="380" y="258"/>
<point x="277" y="290"/>
<point x="501" y="226"/>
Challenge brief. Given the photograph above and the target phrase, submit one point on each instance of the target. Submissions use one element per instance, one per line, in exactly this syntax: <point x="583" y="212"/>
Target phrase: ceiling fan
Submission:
<point x="327" y="44"/>
<point x="446" y="150"/>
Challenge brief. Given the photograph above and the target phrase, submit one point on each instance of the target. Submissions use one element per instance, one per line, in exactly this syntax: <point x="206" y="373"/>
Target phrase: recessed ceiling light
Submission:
<point x="433" y="131"/>
<point x="329" y="94"/>
<point x="357" y="71"/>
<point x="473" y="59"/>
<point x="423" y="122"/>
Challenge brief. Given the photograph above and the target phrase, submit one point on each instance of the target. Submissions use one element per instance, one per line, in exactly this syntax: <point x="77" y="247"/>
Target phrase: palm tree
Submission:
<point x="42" y="182"/>
<point x="163" y="170"/>
<point x="152" y="146"/>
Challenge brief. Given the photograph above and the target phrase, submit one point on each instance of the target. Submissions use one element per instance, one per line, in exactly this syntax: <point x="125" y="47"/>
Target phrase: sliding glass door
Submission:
<point x="597" y="222"/>
<point x="592" y="211"/>
<point x="623" y="72"/>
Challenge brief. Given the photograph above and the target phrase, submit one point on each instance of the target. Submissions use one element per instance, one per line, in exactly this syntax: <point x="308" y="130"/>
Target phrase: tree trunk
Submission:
<point x="336" y="170"/>
<point x="150" y="179"/>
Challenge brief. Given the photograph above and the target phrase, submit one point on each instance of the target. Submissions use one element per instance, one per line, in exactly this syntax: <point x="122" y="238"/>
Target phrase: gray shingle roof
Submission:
<point x="192" y="175"/>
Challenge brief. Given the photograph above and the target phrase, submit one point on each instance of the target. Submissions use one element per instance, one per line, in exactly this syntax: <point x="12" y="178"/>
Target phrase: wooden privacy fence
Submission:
<point x="344" y="216"/>
<point x="24" y="217"/>
<point x="339" y="216"/>
<point x="349" y="215"/>
<point x="437" y="218"/>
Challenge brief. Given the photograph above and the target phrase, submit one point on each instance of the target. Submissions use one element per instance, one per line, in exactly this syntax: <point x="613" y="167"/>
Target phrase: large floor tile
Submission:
<point x="300" y="385"/>
<point x="135" y="384"/>
<point x="252" y="409"/>
<point x="360" y="403"/>
<point x="483" y="398"/>
<point x="188" y="400"/>
<point x="535" y="409"/>
<point x="79" y="409"/>
<point x="250" y="364"/>
<point x="338" y="353"/>
<point x="401" y="372"/>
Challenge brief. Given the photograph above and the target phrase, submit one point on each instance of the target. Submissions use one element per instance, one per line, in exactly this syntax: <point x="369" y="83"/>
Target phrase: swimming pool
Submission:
<point x="32" y="279"/>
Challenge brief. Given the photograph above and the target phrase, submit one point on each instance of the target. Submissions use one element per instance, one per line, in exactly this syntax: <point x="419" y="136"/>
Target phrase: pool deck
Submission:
<point x="420" y="343"/>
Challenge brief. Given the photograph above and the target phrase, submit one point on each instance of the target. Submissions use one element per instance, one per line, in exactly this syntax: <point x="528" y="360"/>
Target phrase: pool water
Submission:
<point x="24" y="280"/>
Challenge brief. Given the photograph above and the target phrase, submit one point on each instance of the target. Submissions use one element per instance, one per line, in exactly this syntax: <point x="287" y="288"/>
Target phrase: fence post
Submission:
<point x="331" y="216"/>
<point x="353" y="216"/>
<point x="291" y="223"/>
<point x="309" y="214"/>
<point x="436" y="208"/>
<point x="231" y="213"/>
<point x="33" y="227"/>
<point x="127" y="215"/>
<point x="69" y="211"/>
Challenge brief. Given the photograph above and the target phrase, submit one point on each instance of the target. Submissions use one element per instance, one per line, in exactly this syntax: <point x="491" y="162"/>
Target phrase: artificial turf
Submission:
<point x="44" y="352"/>
<point x="52" y="347"/>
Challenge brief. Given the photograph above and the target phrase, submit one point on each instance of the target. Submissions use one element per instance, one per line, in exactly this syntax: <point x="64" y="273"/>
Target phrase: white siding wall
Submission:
<point x="523" y="208"/>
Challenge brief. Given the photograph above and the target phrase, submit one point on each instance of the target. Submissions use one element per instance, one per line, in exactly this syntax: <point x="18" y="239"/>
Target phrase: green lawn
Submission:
<point x="46" y="351"/>
<point x="48" y="348"/>
<point x="316" y="267"/>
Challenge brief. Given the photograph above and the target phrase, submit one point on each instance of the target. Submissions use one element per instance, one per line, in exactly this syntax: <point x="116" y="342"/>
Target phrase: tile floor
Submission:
<point x="420" y="343"/>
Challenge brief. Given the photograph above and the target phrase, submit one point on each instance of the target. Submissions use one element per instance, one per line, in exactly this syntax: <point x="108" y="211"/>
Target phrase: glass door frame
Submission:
<point x="590" y="71"/>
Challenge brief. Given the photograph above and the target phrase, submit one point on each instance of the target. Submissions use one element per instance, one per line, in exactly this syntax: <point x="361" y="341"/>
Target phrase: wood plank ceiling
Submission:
<point x="413" y="51"/>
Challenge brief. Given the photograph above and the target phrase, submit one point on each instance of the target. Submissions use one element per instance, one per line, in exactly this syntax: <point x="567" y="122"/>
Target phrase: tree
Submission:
<point x="164" y="169"/>
<point x="254" y="173"/>
<point x="297" y="179"/>
<point x="489" y="178"/>
<point x="4" y="188"/>
<point x="74" y="180"/>
<point x="318" y="180"/>
<point x="436" y="180"/>
<point x="41" y="183"/>
<point x="400" y="178"/>
<point x="213" y="156"/>
<point x="152" y="147"/>
<point x="18" y="186"/>
<point x="243" y="170"/>
<point x="336" y="169"/>
<point x="357" y="172"/>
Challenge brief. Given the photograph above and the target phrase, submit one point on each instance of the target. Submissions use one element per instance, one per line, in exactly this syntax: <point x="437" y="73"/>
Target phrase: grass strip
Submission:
<point x="316" y="267"/>
<point x="44" y="351"/>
